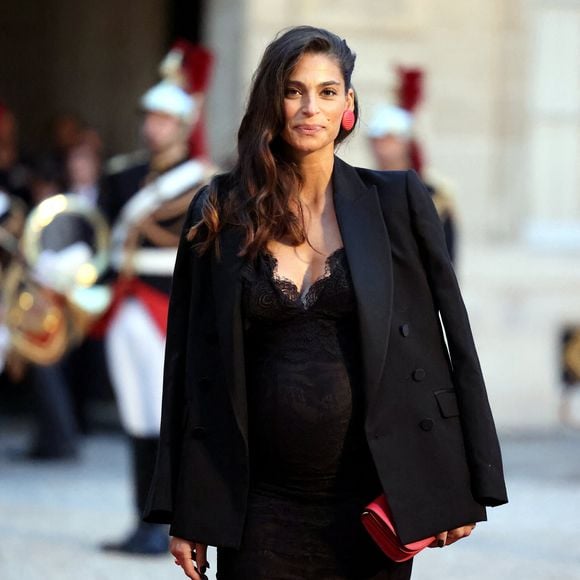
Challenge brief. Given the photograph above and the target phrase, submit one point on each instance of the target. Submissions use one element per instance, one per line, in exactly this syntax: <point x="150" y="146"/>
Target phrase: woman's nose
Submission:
<point x="310" y="105"/>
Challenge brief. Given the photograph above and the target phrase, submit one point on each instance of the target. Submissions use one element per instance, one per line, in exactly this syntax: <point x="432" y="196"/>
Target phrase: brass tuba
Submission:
<point x="50" y="290"/>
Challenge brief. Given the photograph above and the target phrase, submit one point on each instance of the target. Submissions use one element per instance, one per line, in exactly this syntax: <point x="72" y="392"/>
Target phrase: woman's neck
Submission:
<point x="316" y="173"/>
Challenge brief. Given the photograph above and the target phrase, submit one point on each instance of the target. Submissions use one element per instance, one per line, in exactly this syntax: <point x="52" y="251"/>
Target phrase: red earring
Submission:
<point x="348" y="120"/>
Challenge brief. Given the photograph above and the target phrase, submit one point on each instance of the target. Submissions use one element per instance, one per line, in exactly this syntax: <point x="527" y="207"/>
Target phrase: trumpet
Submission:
<point x="50" y="293"/>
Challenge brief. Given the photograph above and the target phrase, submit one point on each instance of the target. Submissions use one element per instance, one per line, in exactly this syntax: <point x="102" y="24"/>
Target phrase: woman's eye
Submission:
<point x="329" y="92"/>
<point x="292" y="92"/>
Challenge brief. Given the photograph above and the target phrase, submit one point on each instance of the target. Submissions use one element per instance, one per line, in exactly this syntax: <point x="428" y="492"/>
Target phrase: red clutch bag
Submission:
<point x="378" y="521"/>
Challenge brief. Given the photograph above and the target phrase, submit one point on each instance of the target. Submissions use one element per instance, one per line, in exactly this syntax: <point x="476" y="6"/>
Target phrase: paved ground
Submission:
<point x="52" y="517"/>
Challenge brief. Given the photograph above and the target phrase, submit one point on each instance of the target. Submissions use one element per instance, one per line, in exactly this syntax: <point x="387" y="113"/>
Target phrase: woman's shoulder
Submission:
<point x="194" y="211"/>
<point x="383" y="180"/>
<point x="218" y="186"/>
<point x="390" y="186"/>
<point x="393" y="185"/>
<point x="371" y="177"/>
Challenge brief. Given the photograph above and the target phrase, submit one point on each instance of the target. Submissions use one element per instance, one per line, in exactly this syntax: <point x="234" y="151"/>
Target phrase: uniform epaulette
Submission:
<point x="443" y="195"/>
<point x="124" y="161"/>
<point x="571" y="355"/>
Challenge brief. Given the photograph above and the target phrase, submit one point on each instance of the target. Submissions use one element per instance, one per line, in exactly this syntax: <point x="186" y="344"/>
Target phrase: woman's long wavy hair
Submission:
<point x="259" y="192"/>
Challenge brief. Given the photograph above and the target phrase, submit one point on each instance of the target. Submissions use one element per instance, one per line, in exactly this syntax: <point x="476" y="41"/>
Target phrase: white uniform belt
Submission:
<point x="147" y="261"/>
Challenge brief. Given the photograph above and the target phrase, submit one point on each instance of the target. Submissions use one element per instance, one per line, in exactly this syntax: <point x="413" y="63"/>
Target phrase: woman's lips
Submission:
<point x="308" y="129"/>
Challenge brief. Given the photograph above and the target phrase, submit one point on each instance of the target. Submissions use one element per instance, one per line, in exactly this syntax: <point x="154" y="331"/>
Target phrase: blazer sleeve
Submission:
<point x="481" y="442"/>
<point x="187" y="275"/>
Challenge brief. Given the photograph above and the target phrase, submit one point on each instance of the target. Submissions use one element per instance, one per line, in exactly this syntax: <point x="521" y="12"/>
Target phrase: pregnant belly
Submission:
<point x="302" y="422"/>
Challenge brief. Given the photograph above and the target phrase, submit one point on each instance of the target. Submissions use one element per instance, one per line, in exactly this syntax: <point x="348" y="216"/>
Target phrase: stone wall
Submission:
<point x="457" y="44"/>
<point x="501" y="121"/>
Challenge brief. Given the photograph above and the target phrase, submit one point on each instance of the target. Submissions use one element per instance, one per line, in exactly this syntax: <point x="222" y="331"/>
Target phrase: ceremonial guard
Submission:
<point x="146" y="201"/>
<point x="395" y="147"/>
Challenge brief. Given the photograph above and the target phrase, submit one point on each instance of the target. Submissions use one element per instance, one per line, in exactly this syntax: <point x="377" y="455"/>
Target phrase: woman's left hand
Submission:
<point x="447" y="538"/>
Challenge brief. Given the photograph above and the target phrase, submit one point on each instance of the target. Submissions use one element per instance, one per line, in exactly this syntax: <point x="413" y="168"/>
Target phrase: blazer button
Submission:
<point x="405" y="330"/>
<point x="419" y="375"/>
<point x="426" y="424"/>
<point x="199" y="432"/>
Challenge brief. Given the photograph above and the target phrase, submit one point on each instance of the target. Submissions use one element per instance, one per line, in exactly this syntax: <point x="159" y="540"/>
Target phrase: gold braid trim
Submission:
<point x="572" y="355"/>
<point x="444" y="203"/>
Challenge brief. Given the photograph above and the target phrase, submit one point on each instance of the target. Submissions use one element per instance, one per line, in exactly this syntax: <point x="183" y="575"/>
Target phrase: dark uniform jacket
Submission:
<point x="428" y="422"/>
<point x="120" y="187"/>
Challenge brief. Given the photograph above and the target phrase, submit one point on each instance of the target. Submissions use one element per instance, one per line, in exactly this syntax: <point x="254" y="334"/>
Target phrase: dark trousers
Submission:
<point x="56" y="425"/>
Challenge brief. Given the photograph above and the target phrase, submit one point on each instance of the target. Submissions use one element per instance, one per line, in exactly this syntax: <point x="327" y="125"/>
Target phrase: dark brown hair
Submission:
<point x="259" y="192"/>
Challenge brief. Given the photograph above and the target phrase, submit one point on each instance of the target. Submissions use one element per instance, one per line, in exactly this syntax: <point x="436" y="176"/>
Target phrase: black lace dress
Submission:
<point x="311" y="470"/>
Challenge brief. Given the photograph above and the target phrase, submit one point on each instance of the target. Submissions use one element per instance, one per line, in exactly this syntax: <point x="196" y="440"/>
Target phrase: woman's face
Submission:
<point x="315" y="98"/>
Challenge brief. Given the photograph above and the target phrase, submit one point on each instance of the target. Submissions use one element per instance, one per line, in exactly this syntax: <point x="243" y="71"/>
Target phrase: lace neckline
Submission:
<point x="290" y="289"/>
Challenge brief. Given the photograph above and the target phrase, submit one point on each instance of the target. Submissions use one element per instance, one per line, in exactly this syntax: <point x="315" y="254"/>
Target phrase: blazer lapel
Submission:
<point x="368" y="251"/>
<point x="227" y="288"/>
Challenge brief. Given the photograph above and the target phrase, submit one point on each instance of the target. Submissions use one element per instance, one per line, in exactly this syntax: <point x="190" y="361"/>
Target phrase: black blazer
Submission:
<point x="428" y="421"/>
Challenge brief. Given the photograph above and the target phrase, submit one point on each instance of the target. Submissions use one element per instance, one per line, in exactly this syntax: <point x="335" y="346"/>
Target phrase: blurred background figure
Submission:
<point x="46" y="179"/>
<point x="48" y="316"/>
<point x="12" y="216"/>
<point x="88" y="375"/>
<point x="55" y="430"/>
<point x="390" y="132"/>
<point x="393" y="141"/>
<point x="60" y="387"/>
<point x="83" y="165"/>
<point x="66" y="132"/>
<point x="14" y="172"/>
<point x="146" y="203"/>
<point x="570" y="366"/>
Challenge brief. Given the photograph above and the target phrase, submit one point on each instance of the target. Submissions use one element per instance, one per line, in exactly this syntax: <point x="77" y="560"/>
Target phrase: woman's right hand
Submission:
<point x="187" y="553"/>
